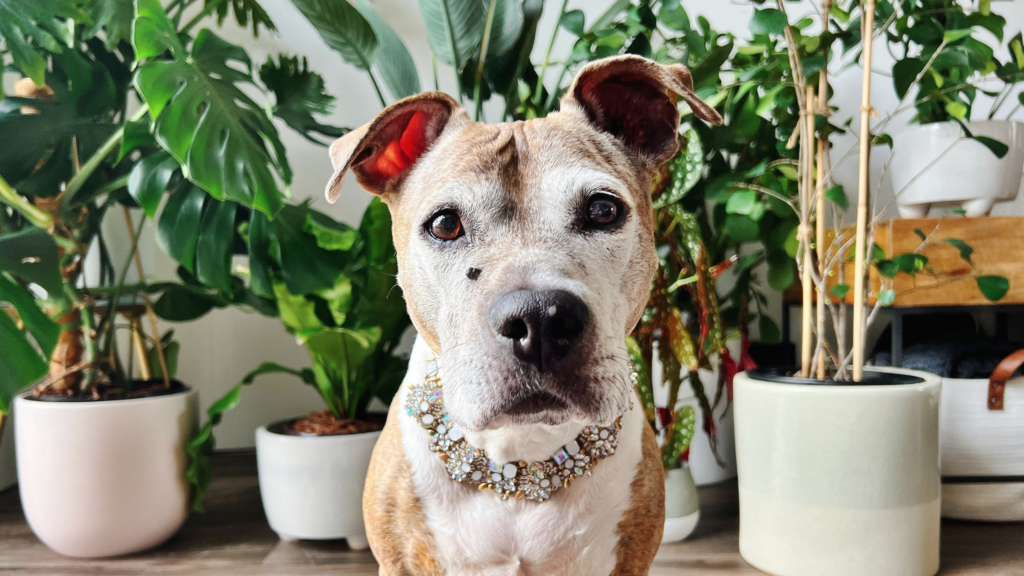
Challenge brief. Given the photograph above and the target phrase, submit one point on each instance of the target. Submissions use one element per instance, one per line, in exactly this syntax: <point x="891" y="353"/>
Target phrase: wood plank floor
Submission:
<point x="232" y="538"/>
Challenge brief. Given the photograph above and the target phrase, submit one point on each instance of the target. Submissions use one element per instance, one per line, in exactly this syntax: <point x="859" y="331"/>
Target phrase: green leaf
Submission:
<point x="171" y="351"/>
<point x="687" y="170"/>
<point x="204" y="118"/>
<point x="43" y="330"/>
<point x="682" y="434"/>
<point x="244" y="11"/>
<point x="454" y="29"/>
<point x="741" y="228"/>
<point x="644" y="386"/>
<point x="781" y="273"/>
<point x="768" y="330"/>
<point x="393" y="64"/>
<point x="39" y="21"/>
<point x="904" y="73"/>
<point x="993" y="287"/>
<point x="330" y="234"/>
<point x="839" y="291"/>
<point x="673" y="15"/>
<point x="114" y="19"/>
<point x="149" y="178"/>
<point x="31" y="254"/>
<point x="343" y="28"/>
<point x="910" y="263"/>
<point x="837" y="196"/>
<point x="305" y="266"/>
<point x="887" y="268"/>
<point x="297" y="312"/>
<point x="182" y="304"/>
<point x="178" y="228"/>
<point x="215" y="245"/>
<point x="956" y="109"/>
<point x="886" y="297"/>
<point x="962" y="247"/>
<point x="299" y="93"/>
<point x="998" y="148"/>
<point x="136" y="134"/>
<point x="574" y="21"/>
<point x="951" y="36"/>
<point x="741" y="202"/>
<point x="506" y="27"/>
<point x="768" y="21"/>
<point x="920" y="234"/>
<point x="20" y="364"/>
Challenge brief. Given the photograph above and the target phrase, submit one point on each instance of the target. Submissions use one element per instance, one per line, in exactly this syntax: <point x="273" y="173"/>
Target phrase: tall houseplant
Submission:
<point x="82" y="152"/>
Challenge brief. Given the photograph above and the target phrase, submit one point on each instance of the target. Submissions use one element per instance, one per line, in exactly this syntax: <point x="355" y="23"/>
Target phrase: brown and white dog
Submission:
<point x="525" y="253"/>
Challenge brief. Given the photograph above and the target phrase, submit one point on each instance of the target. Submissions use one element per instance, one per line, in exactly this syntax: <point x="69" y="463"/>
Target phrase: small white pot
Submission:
<point x="312" y="486"/>
<point x="105" y="478"/>
<point x="932" y="168"/>
<point x="986" y="446"/>
<point x="840" y="480"/>
<point x="682" y="511"/>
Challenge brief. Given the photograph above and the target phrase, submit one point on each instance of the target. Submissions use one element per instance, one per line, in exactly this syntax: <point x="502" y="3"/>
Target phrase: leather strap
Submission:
<point x="1002" y="373"/>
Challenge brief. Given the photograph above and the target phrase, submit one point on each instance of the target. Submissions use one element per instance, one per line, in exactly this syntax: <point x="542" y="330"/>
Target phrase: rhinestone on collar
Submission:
<point x="535" y="481"/>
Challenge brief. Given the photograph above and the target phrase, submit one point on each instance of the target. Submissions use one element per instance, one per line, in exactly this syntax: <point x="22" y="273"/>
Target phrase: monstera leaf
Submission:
<point x="299" y="94"/>
<point x="225" y="141"/>
<point x="21" y="362"/>
<point x="114" y="18"/>
<point x="40" y="21"/>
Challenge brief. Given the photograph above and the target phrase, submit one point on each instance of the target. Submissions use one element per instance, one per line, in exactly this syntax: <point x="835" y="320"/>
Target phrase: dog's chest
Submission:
<point x="574" y="533"/>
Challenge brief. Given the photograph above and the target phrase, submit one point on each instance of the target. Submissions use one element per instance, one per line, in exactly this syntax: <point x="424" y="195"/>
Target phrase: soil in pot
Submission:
<point x="105" y="392"/>
<point x="324" y="423"/>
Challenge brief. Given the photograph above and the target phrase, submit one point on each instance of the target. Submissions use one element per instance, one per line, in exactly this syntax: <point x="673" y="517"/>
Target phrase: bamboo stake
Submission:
<point x="157" y="343"/>
<point x="826" y="7"/>
<point x="807" y="236"/>
<point x="863" y="191"/>
<point x="139" y="346"/>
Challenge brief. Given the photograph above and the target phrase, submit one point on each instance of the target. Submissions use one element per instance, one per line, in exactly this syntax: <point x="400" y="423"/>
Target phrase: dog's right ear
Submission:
<point x="384" y="151"/>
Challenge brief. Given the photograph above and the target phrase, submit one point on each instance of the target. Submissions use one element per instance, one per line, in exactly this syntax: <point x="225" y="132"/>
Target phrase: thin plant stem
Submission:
<point x="481" y="60"/>
<point x="90" y="166"/>
<point x="34" y="214"/>
<point x="538" y="92"/>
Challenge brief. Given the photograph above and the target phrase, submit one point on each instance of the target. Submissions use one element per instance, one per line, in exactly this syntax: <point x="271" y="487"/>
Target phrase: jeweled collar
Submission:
<point x="535" y="481"/>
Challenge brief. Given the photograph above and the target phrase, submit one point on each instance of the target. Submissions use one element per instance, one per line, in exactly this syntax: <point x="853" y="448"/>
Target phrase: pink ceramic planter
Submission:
<point x="105" y="478"/>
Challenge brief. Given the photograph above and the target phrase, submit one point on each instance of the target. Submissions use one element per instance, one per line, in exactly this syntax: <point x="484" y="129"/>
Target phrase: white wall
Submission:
<point x="221" y="347"/>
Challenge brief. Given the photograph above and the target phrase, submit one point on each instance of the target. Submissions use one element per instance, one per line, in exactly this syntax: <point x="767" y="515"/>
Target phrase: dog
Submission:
<point x="525" y="253"/>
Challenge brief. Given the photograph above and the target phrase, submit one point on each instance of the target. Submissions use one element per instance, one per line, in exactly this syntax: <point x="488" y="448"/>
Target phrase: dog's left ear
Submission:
<point x="634" y="99"/>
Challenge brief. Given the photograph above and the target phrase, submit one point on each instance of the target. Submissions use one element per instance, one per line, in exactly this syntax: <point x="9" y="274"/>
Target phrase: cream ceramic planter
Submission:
<point x="105" y="478"/>
<point x="934" y="166"/>
<point x="681" y="507"/>
<point x="839" y="480"/>
<point x="312" y="486"/>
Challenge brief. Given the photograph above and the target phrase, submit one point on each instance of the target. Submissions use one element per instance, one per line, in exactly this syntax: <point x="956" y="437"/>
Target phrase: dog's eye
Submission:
<point x="603" y="211"/>
<point x="445" y="226"/>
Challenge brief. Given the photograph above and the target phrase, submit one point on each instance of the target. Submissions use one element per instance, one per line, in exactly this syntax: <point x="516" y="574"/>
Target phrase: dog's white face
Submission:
<point x="526" y="250"/>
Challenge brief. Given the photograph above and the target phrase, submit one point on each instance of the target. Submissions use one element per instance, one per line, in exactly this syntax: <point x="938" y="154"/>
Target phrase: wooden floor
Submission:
<point x="232" y="538"/>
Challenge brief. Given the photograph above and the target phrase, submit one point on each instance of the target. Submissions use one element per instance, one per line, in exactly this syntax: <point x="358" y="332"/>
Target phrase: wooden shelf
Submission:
<point x="997" y="242"/>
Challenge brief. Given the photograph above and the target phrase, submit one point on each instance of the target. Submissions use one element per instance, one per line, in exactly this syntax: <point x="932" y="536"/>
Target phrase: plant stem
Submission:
<point x="158" y="343"/>
<point x="79" y="179"/>
<point x="484" y="45"/>
<point x="433" y="66"/>
<point x="38" y="217"/>
<point x="547" y="56"/>
<point x="376" y="87"/>
<point x="207" y="10"/>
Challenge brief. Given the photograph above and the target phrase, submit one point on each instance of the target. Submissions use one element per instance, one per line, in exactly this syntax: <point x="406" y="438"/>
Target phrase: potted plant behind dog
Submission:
<point x="80" y="154"/>
<point x="988" y="167"/>
<point x="349" y="314"/>
<point x="815" y="496"/>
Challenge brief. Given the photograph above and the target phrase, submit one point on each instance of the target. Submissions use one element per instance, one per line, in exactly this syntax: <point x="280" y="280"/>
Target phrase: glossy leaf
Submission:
<point x="343" y="28"/>
<point x="680" y="341"/>
<point x="993" y="288"/>
<point x="393" y="64"/>
<point x="644" y="386"/>
<point x="506" y="28"/>
<point x="454" y="28"/>
<point x="962" y="247"/>
<point x="574" y="21"/>
<point x="299" y="93"/>
<point x="149" y="179"/>
<point x="20" y="364"/>
<point x="768" y="21"/>
<point x="38" y="20"/>
<point x="178" y="228"/>
<point x="682" y="433"/>
<point x="687" y="170"/>
<point x="837" y="196"/>
<point x="113" y="18"/>
<point x="215" y="245"/>
<point x="181" y="304"/>
<point x="204" y="118"/>
<point x="31" y="255"/>
<point x="840" y="291"/>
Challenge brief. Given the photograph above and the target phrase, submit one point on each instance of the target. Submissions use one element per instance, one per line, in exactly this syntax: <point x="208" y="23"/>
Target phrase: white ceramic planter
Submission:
<point x="932" y="168"/>
<point x="312" y="486"/>
<point x="982" y="444"/>
<point x="105" y="478"/>
<point x="839" y="480"/>
<point x="682" y="510"/>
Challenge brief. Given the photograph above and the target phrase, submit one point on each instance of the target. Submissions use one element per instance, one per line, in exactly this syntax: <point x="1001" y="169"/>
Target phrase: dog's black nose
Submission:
<point x="543" y="326"/>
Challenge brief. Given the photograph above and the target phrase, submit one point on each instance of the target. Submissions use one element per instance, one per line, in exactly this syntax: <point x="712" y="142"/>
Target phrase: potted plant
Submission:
<point x="81" y="154"/>
<point x="350" y="318"/>
<point x="947" y="39"/>
<point x="838" y="467"/>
